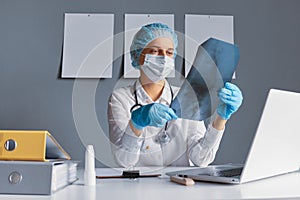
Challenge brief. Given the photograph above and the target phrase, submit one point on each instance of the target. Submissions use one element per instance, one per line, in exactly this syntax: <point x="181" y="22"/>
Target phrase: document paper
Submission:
<point x="199" y="28"/>
<point x="88" y="46"/>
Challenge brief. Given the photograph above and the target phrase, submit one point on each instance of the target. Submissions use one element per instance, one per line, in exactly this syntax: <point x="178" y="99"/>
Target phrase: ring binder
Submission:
<point x="36" y="177"/>
<point x="30" y="145"/>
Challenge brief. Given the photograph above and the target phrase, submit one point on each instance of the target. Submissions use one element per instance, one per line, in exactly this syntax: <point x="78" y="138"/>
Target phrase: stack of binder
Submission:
<point x="33" y="162"/>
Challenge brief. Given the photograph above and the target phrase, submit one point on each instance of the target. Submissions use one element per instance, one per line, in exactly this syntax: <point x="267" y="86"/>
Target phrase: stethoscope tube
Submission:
<point x="164" y="137"/>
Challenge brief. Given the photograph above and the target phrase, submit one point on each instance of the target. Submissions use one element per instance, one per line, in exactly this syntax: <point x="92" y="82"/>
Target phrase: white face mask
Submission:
<point x="157" y="68"/>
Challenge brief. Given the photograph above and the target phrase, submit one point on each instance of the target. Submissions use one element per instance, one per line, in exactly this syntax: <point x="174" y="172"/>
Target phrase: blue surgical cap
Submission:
<point x="147" y="34"/>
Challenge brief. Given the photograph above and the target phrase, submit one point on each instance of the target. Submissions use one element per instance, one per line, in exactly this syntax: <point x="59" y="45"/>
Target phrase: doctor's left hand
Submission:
<point x="154" y="114"/>
<point x="230" y="100"/>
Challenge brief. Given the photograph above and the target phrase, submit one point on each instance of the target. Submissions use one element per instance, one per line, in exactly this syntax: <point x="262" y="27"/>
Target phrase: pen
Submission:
<point x="121" y="176"/>
<point x="182" y="180"/>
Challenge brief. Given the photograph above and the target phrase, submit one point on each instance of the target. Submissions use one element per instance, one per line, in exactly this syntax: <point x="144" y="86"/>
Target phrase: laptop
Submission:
<point x="275" y="148"/>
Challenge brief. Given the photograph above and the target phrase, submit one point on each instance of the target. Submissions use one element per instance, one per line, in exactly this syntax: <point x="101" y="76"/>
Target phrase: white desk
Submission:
<point x="280" y="187"/>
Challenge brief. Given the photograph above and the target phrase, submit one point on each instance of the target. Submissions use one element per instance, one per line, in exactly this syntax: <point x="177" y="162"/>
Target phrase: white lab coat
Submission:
<point x="190" y="140"/>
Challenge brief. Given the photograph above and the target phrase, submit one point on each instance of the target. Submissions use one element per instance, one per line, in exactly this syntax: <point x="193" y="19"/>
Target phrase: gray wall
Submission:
<point x="33" y="96"/>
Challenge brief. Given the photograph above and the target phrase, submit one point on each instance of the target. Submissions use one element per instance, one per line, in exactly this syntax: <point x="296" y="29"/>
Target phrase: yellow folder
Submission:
<point x="36" y="145"/>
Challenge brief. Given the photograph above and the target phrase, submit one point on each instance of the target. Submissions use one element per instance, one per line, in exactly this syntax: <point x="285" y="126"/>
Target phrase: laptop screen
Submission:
<point x="276" y="145"/>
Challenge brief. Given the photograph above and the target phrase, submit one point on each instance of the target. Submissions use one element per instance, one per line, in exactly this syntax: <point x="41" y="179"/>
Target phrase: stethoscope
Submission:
<point x="163" y="137"/>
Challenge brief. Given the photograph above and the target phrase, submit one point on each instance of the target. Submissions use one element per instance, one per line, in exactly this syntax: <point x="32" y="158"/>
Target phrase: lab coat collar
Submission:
<point x="143" y="97"/>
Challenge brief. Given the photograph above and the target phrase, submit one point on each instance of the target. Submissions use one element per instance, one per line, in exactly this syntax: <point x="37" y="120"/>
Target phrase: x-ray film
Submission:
<point x="214" y="64"/>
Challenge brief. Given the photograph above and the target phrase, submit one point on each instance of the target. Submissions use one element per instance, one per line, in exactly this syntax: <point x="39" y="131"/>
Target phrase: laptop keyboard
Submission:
<point x="230" y="172"/>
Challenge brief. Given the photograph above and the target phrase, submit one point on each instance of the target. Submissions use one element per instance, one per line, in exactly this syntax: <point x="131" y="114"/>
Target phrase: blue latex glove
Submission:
<point x="231" y="98"/>
<point x="154" y="114"/>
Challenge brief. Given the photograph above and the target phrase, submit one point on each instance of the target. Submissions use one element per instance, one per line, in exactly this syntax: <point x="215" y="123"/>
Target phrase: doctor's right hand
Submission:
<point x="154" y="114"/>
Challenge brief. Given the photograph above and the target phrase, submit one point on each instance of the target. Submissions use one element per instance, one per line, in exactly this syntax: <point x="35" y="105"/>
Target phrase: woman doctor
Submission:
<point x="143" y="129"/>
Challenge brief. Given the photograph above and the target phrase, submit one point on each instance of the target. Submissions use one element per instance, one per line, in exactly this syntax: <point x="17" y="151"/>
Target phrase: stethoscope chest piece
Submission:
<point x="163" y="137"/>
